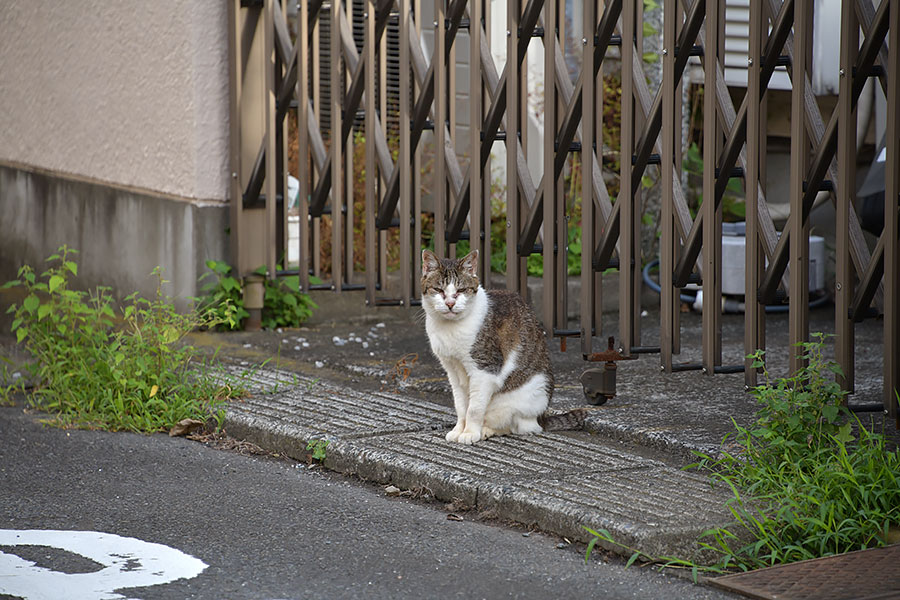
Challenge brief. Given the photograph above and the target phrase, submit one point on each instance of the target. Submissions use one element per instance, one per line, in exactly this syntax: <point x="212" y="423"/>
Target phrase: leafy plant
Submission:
<point x="117" y="370"/>
<point x="535" y="262"/>
<point x="318" y="448"/>
<point x="283" y="304"/>
<point x="804" y="486"/>
<point x="223" y="293"/>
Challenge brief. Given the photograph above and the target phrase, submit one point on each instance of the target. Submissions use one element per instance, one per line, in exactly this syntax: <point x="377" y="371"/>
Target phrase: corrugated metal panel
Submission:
<point x="393" y="67"/>
<point x="324" y="77"/>
<point x="827" y="17"/>
<point x="737" y="47"/>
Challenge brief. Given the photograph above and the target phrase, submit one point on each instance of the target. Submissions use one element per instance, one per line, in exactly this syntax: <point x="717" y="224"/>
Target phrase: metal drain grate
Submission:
<point x="863" y="575"/>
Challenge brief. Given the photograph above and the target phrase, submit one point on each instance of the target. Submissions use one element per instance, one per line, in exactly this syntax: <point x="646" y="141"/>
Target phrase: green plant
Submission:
<point x="283" y="304"/>
<point x="535" y="262"/>
<point x="223" y="294"/>
<point x="10" y="383"/>
<point x="318" y="448"/>
<point x="664" y="562"/>
<point x="803" y="485"/>
<point x="117" y="370"/>
<point x="733" y="205"/>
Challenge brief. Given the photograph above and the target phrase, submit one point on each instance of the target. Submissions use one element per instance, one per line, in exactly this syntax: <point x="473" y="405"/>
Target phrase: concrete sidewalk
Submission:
<point x="364" y="381"/>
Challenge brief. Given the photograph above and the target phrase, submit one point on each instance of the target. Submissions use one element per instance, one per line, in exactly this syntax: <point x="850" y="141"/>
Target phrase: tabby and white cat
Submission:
<point x="492" y="347"/>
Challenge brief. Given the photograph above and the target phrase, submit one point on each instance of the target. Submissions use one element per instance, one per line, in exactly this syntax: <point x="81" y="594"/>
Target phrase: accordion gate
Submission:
<point x="345" y="91"/>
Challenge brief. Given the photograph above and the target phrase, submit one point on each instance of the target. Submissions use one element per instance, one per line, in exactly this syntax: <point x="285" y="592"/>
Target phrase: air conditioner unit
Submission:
<point x="733" y="261"/>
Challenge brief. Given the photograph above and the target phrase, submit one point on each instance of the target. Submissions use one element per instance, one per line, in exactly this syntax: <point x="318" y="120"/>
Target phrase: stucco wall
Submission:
<point x="129" y="92"/>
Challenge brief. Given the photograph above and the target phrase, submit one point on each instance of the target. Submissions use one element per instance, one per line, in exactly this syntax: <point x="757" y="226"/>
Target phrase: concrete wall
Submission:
<point x="114" y="136"/>
<point x="121" y="234"/>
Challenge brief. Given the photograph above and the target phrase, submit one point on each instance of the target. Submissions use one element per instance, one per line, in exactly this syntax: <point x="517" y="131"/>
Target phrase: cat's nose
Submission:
<point x="450" y="302"/>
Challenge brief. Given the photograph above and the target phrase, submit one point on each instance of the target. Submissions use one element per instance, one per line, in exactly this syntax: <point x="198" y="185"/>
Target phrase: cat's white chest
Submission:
<point x="454" y="339"/>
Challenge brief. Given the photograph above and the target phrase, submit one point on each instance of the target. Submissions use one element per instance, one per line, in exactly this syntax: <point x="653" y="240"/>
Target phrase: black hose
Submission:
<point x="771" y="308"/>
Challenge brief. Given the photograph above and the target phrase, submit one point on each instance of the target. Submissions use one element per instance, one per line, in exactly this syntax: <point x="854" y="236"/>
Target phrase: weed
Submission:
<point x="318" y="449"/>
<point x="124" y="370"/>
<point x="283" y="304"/>
<point x="804" y="486"/>
<point x="10" y="383"/>
<point x="224" y="294"/>
<point x="664" y="562"/>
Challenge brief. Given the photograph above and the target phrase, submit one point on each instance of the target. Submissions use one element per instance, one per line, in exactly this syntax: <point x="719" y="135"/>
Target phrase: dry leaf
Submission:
<point x="153" y="390"/>
<point x="186" y="427"/>
<point x="454" y="517"/>
<point x="392" y="490"/>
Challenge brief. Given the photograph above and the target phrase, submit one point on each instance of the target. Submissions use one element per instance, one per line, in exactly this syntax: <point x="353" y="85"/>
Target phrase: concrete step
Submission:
<point x="559" y="482"/>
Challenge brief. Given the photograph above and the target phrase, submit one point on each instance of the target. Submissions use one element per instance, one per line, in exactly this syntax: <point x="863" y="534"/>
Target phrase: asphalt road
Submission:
<point x="270" y="528"/>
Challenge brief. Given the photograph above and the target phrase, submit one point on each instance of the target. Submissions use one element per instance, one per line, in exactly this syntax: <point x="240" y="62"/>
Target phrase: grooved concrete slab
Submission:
<point x="312" y="408"/>
<point x="511" y="457"/>
<point x="560" y="482"/>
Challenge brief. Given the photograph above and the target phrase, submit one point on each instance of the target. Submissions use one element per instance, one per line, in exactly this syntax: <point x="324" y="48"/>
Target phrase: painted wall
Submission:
<point x="128" y="92"/>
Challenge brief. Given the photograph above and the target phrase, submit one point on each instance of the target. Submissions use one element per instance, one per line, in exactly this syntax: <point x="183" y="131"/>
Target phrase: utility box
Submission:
<point x="733" y="260"/>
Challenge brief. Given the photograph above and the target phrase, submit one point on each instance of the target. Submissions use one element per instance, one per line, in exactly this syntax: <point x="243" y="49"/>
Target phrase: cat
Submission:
<point x="492" y="347"/>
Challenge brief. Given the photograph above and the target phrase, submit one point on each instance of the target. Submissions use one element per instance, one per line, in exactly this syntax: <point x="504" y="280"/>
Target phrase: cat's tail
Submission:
<point x="566" y="421"/>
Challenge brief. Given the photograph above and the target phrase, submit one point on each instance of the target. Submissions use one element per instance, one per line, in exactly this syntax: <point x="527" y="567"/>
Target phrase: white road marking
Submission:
<point x="128" y="562"/>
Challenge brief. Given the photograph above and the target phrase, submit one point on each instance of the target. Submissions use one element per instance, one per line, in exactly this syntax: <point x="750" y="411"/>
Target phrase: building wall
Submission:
<point x="131" y="92"/>
<point x="121" y="234"/>
<point x="128" y="100"/>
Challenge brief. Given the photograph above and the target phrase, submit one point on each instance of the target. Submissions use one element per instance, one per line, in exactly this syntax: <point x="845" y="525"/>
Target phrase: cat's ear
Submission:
<point x="470" y="263"/>
<point x="429" y="262"/>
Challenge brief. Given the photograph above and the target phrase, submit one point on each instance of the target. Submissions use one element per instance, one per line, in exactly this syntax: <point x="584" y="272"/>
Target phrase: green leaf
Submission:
<point x="11" y="283"/>
<point x="44" y="310"/>
<point x="590" y="547"/>
<point x="845" y="433"/>
<point x="31" y="303"/>
<point x="55" y="282"/>
<point x="20" y="334"/>
<point x="71" y="266"/>
<point x="631" y="560"/>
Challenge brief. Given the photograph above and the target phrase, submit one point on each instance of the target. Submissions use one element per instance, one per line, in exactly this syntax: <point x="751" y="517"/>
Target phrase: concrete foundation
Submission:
<point x="121" y="234"/>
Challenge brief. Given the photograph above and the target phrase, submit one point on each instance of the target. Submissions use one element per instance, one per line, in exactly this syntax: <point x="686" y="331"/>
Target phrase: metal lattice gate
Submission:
<point x="422" y="181"/>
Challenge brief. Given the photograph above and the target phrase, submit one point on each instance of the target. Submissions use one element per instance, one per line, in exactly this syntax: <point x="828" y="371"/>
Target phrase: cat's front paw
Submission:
<point x="468" y="438"/>
<point x="453" y="434"/>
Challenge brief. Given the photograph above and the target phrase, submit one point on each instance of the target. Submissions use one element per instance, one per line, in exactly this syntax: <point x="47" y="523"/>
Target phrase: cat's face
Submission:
<point x="449" y="285"/>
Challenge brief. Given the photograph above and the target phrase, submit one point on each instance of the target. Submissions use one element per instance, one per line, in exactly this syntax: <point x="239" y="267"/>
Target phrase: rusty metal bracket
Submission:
<point x="599" y="385"/>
